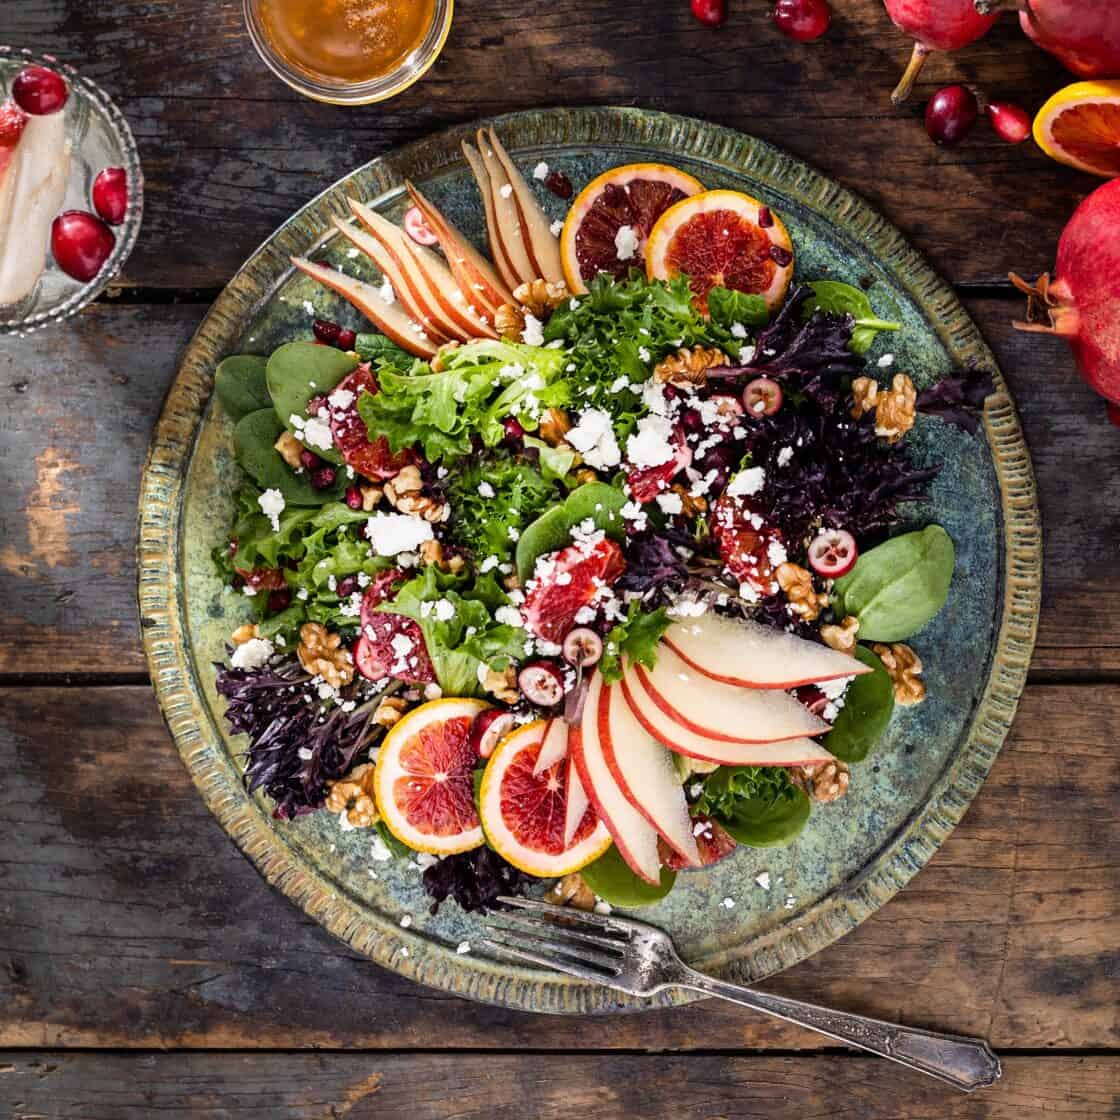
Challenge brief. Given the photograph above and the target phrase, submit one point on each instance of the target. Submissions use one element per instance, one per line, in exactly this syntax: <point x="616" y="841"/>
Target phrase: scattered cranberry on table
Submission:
<point x="950" y="114"/>
<point x="110" y="195"/>
<point x="81" y="243"/>
<point x="39" y="91"/>
<point x="1011" y="122"/>
<point x="803" y="20"/>
<point x="711" y="13"/>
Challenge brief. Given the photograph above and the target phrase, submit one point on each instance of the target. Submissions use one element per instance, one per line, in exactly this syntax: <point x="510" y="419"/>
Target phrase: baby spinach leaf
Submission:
<point x="379" y="350"/>
<point x="613" y="881"/>
<point x="552" y="530"/>
<point x="897" y="587"/>
<point x="727" y="307"/>
<point x="758" y="805"/>
<point x="240" y="385"/>
<point x="253" y="440"/>
<point x="396" y="848"/>
<point x="845" y="299"/>
<point x="298" y="371"/>
<point x="867" y="709"/>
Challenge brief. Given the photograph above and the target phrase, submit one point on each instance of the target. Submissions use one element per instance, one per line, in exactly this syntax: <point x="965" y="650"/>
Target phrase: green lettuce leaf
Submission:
<point x="635" y="638"/>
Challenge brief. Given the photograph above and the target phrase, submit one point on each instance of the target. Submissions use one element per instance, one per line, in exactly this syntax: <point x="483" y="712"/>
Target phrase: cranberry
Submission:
<point x="515" y="433"/>
<point x="110" y="195"/>
<point x="326" y="331"/>
<point x="323" y="478"/>
<point x="489" y="729"/>
<point x="81" y="244"/>
<point x="762" y="397"/>
<point x="781" y="256"/>
<point x="347" y="339"/>
<point x="559" y="184"/>
<point x="279" y="600"/>
<point x="417" y="228"/>
<point x="711" y="13"/>
<point x="309" y="460"/>
<point x="347" y="586"/>
<point x="950" y="114"/>
<point x="354" y="496"/>
<point x="803" y="20"/>
<point x="582" y="647"/>
<point x="1011" y="123"/>
<point x="541" y="683"/>
<point x="39" y="91"/>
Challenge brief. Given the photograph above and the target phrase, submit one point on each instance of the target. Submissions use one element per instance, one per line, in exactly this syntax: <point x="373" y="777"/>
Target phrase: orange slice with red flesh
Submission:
<point x="722" y="239"/>
<point x="524" y="813"/>
<point x="1080" y="125"/>
<point x="424" y="778"/>
<point x="630" y="198"/>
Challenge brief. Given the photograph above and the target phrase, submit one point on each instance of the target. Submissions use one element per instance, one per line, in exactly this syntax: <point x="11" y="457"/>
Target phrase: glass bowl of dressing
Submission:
<point x="349" y="52"/>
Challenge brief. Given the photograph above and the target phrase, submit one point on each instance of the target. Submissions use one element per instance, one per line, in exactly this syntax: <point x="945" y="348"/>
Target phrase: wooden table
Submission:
<point x="145" y="968"/>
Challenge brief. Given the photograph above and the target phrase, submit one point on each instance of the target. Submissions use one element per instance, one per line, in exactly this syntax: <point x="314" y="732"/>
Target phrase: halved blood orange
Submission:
<point x="424" y="780"/>
<point x="633" y="196"/>
<point x="1080" y="125"/>
<point x="722" y="239"/>
<point x="523" y="813"/>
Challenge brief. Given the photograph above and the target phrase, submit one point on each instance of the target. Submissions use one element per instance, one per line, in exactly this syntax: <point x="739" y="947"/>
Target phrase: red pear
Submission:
<point x="1084" y="35"/>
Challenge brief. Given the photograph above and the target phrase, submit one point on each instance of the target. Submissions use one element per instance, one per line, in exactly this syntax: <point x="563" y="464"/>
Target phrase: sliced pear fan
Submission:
<point x="506" y="212"/>
<point x="451" y="297"/>
<point x="542" y="244"/>
<point x="389" y="318"/>
<point x="477" y="278"/>
<point x="505" y="268"/>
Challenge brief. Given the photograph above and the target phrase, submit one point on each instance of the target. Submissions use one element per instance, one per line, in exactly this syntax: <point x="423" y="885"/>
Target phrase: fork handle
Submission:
<point x="965" y="1063"/>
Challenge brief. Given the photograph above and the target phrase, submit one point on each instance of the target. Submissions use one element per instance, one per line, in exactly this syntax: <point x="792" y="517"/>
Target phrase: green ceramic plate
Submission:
<point x="906" y="798"/>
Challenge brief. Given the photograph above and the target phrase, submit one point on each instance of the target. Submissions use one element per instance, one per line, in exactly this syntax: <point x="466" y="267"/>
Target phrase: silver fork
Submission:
<point x="640" y="959"/>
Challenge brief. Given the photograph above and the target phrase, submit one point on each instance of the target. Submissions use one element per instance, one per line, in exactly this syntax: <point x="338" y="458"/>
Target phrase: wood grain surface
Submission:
<point x="145" y="968"/>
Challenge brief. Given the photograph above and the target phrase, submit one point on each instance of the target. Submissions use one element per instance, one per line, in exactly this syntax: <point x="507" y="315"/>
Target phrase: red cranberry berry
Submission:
<point x="1010" y="122"/>
<point x="950" y="114"/>
<point x="347" y="339"/>
<point x="326" y="331"/>
<point x="279" y="600"/>
<point x="81" y="244"/>
<point x="803" y="20"/>
<point x="309" y="460"/>
<point x="354" y="496"/>
<point x="323" y="478"/>
<point x="39" y="91"/>
<point x="110" y="195"/>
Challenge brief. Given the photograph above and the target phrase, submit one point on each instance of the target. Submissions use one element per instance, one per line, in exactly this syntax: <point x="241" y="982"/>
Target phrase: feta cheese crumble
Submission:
<point x="626" y="243"/>
<point x="252" y="654"/>
<point x="747" y="482"/>
<point x="272" y="505"/>
<point x="393" y="533"/>
<point x="541" y="171"/>
<point x="593" y="437"/>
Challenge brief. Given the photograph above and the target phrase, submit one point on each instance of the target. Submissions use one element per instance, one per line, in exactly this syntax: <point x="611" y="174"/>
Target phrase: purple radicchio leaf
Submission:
<point x="958" y="399"/>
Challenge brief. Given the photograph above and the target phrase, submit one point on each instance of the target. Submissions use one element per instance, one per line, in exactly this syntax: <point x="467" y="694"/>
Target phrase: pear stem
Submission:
<point x="910" y="75"/>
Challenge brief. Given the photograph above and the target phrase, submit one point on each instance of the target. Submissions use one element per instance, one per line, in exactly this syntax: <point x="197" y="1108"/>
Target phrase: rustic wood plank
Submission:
<point x="75" y="417"/>
<point x="128" y="919"/>
<point x="63" y="1086"/>
<point x="230" y="152"/>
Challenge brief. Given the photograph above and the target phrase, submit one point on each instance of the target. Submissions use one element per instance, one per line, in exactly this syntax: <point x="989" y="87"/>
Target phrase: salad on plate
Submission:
<point x="591" y="562"/>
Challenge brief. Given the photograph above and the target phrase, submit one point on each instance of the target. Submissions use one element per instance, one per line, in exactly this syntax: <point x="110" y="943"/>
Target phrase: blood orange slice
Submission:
<point x="371" y="458"/>
<point x="424" y="782"/>
<point x="630" y="198"/>
<point x="1080" y="125"/>
<point x="722" y="239"/>
<point x="523" y="813"/>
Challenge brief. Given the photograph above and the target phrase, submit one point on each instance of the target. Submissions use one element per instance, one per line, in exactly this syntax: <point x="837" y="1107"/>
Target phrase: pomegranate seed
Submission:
<point x="541" y="683"/>
<point x="233" y="546"/>
<point x="1011" y="123"/>
<point x="803" y="20"/>
<point x="515" y="433"/>
<point x="812" y="698"/>
<point x="353" y="497"/>
<point x="279" y="600"/>
<point x="417" y="228"/>
<point x="692" y="422"/>
<point x="323" y="478"/>
<point x="39" y="91"/>
<point x="347" y="339"/>
<point x="765" y="218"/>
<point x="346" y="587"/>
<point x="560" y="185"/>
<point x="488" y="730"/>
<point x="309" y="460"/>
<point x="582" y="647"/>
<point x="762" y="397"/>
<point x="950" y="114"/>
<point x="326" y="331"/>
<point x="110" y="195"/>
<point x="711" y="13"/>
<point x="81" y="244"/>
<point x="782" y="257"/>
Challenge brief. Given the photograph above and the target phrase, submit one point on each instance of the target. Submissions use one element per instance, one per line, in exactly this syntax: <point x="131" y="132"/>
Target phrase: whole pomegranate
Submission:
<point x="1084" y="35"/>
<point x="1082" y="301"/>
<point x="934" y="25"/>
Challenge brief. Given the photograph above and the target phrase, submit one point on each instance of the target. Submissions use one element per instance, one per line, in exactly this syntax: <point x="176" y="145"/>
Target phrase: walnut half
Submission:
<point x="823" y="781"/>
<point x="353" y="795"/>
<point x="905" y="669"/>
<point x="321" y="655"/>
<point x="797" y="583"/>
<point x="689" y="367"/>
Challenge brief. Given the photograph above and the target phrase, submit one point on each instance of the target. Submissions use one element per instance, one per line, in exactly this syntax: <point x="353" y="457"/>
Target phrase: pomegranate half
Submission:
<point x="1082" y="299"/>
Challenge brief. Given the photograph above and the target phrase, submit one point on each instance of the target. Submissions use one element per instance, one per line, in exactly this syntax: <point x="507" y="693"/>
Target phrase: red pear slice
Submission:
<point x="543" y="245"/>
<point x="405" y="269"/>
<point x="389" y="319"/>
<point x="412" y="304"/>
<point x="634" y="836"/>
<point x="508" y="216"/>
<point x="681" y="740"/>
<point x="453" y="303"/>
<point x="553" y="748"/>
<point x="476" y="276"/>
<point x="645" y="773"/>
<point x="754" y="656"/>
<point x="726" y="712"/>
<point x="576" y="804"/>
<point x="497" y="250"/>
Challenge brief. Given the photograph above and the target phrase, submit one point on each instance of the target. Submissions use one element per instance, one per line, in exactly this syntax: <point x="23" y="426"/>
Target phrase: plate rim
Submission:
<point x="162" y="610"/>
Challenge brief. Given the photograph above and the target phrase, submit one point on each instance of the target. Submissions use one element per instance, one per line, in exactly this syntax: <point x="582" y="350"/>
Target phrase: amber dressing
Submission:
<point x="347" y="40"/>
